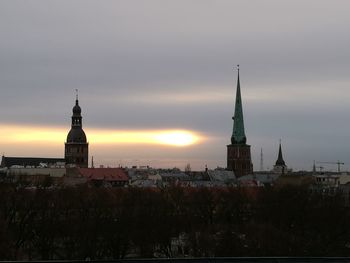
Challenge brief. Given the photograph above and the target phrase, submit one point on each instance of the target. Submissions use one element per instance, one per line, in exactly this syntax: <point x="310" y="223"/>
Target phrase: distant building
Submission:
<point x="327" y="180"/>
<point x="32" y="170"/>
<point x="77" y="147"/>
<point x="280" y="166"/>
<point x="258" y="179"/>
<point x="31" y="162"/>
<point x="295" y="179"/>
<point x="143" y="183"/>
<point x="96" y="176"/>
<point x="37" y="176"/>
<point x="221" y="175"/>
<point x="174" y="177"/>
<point x="238" y="152"/>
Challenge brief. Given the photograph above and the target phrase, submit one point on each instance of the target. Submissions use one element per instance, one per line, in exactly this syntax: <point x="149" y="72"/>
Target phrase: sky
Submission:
<point x="154" y="67"/>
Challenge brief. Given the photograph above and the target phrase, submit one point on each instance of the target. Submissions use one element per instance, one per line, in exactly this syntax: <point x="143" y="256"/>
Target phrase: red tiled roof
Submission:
<point x="106" y="174"/>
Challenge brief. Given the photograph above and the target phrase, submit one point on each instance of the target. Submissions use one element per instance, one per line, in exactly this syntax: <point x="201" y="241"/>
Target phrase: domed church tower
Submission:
<point x="77" y="147"/>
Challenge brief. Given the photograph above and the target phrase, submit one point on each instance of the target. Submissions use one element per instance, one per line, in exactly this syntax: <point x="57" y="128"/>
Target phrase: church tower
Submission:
<point x="77" y="147"/>
<point x="280" y="166"/>
<point x="238" y="152"/>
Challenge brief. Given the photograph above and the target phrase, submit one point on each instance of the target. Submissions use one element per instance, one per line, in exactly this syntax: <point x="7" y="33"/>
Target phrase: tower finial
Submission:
<point x="76" y="94"/>
<point x="236" y="68"/>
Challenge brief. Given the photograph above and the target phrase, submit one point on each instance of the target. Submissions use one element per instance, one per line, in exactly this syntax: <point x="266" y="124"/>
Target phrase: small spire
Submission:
<point x="280" y="160"/>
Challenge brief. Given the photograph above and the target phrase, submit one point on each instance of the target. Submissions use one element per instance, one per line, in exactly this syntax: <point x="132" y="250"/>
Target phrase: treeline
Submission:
<point x="97" y="223"/>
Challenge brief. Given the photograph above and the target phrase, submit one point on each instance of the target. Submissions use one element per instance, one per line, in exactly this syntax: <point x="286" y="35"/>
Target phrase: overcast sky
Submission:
<point x="159" y="64"/>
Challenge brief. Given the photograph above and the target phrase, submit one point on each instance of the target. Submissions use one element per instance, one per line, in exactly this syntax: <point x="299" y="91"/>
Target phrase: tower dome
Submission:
<point x="76" y="135"/>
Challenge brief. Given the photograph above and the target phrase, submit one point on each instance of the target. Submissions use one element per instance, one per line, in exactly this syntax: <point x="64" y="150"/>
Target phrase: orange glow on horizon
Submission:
<point x="164" y="137"/>
<point x="31" y="134"/>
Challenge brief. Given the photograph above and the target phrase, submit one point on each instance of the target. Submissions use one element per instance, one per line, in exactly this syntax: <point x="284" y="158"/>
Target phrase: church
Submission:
<point x="76" y="152"/>
<point x="280" y="166"/>
<point x="238" y="152"/>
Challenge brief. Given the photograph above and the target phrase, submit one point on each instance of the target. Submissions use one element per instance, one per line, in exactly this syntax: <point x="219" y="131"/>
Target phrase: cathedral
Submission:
<point x="76" y="147"/>
<point x="238" y="152"/>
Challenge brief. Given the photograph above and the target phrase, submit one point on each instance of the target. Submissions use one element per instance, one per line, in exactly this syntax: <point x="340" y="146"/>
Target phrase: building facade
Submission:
<point x="76" y="146"/>
<point x="31" y="162"/>
<point x="238" y="152"/>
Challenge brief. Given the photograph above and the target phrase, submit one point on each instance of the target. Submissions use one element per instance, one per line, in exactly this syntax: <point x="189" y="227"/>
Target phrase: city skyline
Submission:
<point x="164" y="66"/>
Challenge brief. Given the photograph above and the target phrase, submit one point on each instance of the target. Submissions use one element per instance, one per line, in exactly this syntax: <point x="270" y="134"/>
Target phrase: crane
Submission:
<point x="337" y="163"/>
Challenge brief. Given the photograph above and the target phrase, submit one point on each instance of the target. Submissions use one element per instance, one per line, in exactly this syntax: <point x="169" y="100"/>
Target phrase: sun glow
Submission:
<point x="16" y="134"/>
<point x="164" y="137"/>
<point x="176" y="138"/>
<point x="28" y="134"/>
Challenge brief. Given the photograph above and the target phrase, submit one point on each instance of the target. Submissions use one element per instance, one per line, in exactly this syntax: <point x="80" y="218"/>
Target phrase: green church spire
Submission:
<point x="238" y="134"/>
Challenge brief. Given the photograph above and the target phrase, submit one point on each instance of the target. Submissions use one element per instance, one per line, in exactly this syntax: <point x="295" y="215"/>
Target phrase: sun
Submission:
<point x="176" y="138"/>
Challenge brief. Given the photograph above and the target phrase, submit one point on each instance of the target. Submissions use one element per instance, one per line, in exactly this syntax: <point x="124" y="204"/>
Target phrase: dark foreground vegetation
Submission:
<point x="97" y="223"/>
